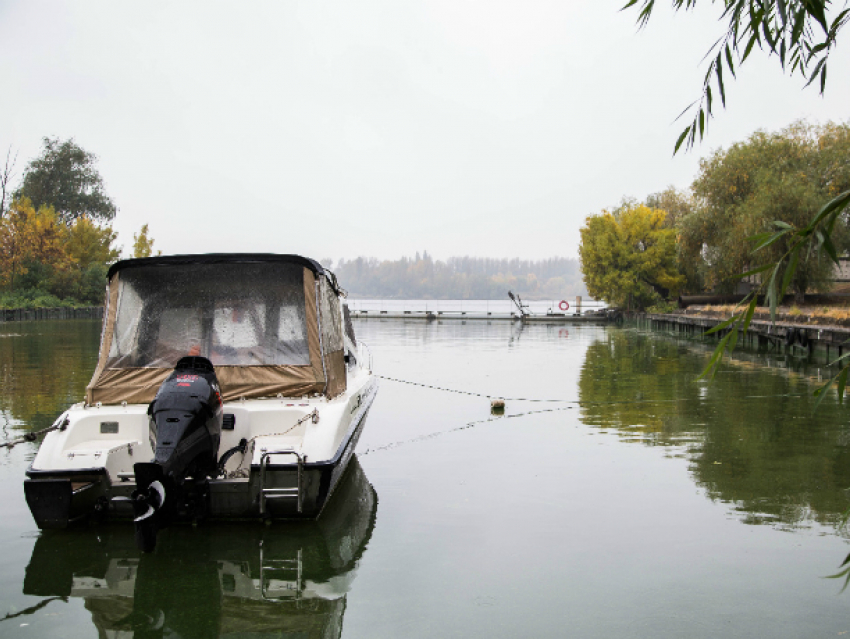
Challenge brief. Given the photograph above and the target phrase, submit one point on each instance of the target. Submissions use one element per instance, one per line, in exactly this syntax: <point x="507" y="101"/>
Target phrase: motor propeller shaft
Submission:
<point x="150" y="510"/>
<point x="147" y="502"/>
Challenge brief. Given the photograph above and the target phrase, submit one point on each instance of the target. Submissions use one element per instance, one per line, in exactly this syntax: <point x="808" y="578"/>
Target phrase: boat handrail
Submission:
<point x="360" y="343"/>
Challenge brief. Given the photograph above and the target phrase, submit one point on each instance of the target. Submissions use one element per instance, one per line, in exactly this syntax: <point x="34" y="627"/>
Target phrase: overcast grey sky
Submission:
<point x="377" y="127"/>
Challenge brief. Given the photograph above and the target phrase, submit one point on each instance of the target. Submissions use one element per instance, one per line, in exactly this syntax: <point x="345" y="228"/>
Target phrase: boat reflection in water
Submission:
<point x="215" y="581"/>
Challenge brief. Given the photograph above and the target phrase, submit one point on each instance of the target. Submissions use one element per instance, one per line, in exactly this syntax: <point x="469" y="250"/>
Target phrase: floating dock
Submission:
<point x="430" y="316"/>
<point x="515" y="309"/>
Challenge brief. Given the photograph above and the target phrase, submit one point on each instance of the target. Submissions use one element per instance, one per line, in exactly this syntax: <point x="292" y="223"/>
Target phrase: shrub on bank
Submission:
<point x="36" y="299"/>
<point x="663" y="307"/>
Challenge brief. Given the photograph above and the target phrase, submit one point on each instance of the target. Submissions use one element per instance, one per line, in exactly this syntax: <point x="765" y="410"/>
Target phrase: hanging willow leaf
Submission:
<point x="723" y="324"/>
<point x="817" y="10"/>
<point x="780" y="4"/>
<point x="783" y="27"/>
<point x="799" y="22"/>
<point x="719" y="70"/>
<point x="821" y="392"/>
<point x="733" y="338"/>
<point x="729" y="62"/>
<point x="814" y="75"/>
<point x="711" y="367"/>
<point x="833" y="207"/>
<point x="774" y="237"/>
<point x="760" y="269"/>
<point x="844" y="573"/>
<point x="842" y="382"/>
<point x="771" y="291"/>
<point x="789" y="271"/>
<point x="681" y="139"/>
<point x="829" y="247"/>
<point x="749" y="316"/>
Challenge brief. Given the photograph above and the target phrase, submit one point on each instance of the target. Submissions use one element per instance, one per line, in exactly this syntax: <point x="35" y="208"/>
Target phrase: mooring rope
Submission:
<point x="460" y="392"/>
<point x="466" y="426"/>
<point x="495" y="418"/>
<point x="60" y="424"/>
<point x="578" y="402"/>
<point x="28" y="611"/>
<point x="242" y="472"/>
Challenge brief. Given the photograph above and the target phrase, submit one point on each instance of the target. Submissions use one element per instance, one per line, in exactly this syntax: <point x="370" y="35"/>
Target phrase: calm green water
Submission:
<point x="653" y="505"/>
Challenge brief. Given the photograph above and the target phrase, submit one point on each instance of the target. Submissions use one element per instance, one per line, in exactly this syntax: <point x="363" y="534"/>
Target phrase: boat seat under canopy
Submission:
<point x="270" y="324"/>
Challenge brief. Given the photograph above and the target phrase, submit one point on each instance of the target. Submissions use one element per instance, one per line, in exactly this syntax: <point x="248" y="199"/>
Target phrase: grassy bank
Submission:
<point x="817" y="315"/>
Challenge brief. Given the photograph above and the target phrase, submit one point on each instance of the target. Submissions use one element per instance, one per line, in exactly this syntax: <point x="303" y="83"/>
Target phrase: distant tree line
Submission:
<point x="422" y="277"/>
<point x="56" y="238"/>
<point x="701" y="239"/>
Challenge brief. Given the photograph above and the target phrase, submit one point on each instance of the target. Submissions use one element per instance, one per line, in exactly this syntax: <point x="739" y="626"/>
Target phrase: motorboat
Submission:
<point x="228" y="386"/>
<point x="238" y="580"/>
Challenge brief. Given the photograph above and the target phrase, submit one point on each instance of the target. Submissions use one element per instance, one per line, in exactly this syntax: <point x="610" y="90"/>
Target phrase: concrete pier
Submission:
<point x="781" y="337"/>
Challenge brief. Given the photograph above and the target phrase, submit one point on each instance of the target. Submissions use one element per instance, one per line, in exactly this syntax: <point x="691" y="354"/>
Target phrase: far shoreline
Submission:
<point x="56" y="313"/>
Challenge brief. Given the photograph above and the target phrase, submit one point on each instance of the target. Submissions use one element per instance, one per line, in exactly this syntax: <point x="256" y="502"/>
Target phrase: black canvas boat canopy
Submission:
<point x="216" y="258"/>
<point x="271" y="325"/>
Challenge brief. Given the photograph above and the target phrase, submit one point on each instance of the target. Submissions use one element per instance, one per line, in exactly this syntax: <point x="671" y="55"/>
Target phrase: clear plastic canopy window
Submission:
<point x="234" y="314"/>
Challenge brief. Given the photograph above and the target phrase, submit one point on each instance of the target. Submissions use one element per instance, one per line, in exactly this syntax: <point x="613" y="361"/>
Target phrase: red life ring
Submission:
<point x="564" y="305"/>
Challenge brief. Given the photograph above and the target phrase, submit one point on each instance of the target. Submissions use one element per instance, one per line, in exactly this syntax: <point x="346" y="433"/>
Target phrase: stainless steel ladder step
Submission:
<point x="281" y="493"/>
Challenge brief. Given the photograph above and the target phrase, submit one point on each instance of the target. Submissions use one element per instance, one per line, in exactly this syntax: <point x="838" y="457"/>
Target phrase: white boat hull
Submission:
<point x="81" y="473"/>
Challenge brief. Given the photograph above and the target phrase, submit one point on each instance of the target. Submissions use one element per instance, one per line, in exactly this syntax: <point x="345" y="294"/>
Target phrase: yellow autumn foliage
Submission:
<point x="63" y="260"/>
<point x="628" y="257"/>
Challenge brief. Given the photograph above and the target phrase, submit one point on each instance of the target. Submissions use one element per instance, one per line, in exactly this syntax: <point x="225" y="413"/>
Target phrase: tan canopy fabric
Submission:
<point x="139" y="385"/>
<point x="256" y="317"/>
<point x="332" y="342"/>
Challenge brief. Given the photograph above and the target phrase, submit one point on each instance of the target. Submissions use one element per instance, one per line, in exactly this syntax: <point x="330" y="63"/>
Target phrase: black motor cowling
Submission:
<point x="185" y="421"/>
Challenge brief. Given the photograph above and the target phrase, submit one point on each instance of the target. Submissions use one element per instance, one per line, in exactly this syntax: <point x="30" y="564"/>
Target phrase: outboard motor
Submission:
<point x="185" y="423"/>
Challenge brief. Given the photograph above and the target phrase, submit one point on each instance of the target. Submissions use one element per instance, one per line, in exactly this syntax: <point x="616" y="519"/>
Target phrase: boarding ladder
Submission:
<point x="280" y="493"/>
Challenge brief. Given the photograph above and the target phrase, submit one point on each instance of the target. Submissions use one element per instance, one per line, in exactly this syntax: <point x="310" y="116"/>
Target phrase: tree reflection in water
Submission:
<point x="216" y="580"/>
<point x="750" y="434"/>
<point x="44" y="368"/>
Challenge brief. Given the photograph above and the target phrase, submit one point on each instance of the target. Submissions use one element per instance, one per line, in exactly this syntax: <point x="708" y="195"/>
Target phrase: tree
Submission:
<point x="143" y="244"/>
<point x="5" y="178"/>
<point x="802" y="36"/>
<point x="629" y="256"/>
<point x="460" y="277"/>
<point x="799" y="32"/>
<point x="65" y="177"/>
<point x="679" y="205"/>
<point x="27" y="235"/>
<point x="81" y="273"/>
<point x="771" y="178"/>
<point x="674" y="202"/>
<point x="87" y="243"/>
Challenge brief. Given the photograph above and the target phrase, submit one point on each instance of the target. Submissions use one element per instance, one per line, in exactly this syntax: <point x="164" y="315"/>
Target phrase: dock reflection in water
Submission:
<point x="216" y="580"/>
